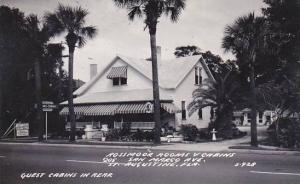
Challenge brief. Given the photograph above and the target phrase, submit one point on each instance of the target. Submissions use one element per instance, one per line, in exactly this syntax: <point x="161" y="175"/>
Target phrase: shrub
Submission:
<point x="139" y="135"/>
<point x="126" y="129"/>
<point x="189" y="132"/>
<point x="149" y="135"/>
<point x="227" y="132"/>
<point x="113" y="135"/>
<point x="204" y="133"/>
<point x="287" y="135"/>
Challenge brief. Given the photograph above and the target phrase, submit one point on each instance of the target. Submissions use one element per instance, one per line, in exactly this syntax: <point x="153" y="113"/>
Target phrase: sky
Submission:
<point x="202" y="23"/>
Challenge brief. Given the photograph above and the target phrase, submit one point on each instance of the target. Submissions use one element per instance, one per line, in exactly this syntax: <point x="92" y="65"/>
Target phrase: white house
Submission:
<point x="122" y="92"/>
<point x="243" y="117"/>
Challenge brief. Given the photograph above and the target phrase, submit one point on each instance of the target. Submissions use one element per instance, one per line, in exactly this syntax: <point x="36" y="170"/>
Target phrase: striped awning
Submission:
<point x="132" y="109"/>
<point x="142" y="108"/>
<point x="92" y="110"/>
<point x="78" y="110"/>
<point x="116" y="72"/>
<point x="170" y="107"/>
<point x="101" y="110"/>
<point x="112" y="109"/>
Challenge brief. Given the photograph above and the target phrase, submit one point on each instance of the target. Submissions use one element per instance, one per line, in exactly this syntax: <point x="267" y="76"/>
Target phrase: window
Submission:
<point x="200" y="113"/>
<point x="119" y="81"/>
<point x="118" y="75"/>
<point x="198" y="76"/>
<point x="183" y="111"/>
<point x="123" y="81"/>
<point x="115" y="81"/>
<point x="249" y="117"/>
<point x="260" y="117"/>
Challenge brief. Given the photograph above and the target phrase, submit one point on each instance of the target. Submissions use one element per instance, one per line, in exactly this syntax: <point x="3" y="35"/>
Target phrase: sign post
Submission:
<point x="46" y="126"/>
<point x="47" y="107"/>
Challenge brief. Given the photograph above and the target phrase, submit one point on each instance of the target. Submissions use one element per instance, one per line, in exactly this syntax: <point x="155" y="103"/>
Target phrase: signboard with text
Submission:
<point x="22" y="129"/>
<point x="48" y="106"/>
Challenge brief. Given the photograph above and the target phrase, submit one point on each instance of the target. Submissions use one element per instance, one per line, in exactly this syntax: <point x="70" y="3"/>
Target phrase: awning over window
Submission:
<point x="112" y="109"/>
<point x="132" y="109"/>
<point x="116" y="72"/>
<point x="92" y="110"/>
<point x="142" y="108"/>
<point x="79" y="110"/>
<point x="101" y="110"/>
<point x="170" y="107"/>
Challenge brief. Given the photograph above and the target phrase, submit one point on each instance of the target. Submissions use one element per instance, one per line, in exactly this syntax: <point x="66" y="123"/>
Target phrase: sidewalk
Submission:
<point x="235" y="145"/>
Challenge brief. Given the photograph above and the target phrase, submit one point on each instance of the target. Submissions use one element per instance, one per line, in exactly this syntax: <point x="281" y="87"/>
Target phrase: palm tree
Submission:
<point x="245" y="38"/>
<point x="152" y="10"/>
<point x="72" y="21"/>
<point x="219" y="94"/>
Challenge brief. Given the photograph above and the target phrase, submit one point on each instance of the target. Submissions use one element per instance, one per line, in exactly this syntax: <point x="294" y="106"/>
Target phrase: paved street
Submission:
<point x="17" y="161"/>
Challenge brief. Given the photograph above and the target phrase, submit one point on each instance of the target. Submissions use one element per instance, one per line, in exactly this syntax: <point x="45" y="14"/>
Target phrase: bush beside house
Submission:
<point x="284" y="132"/>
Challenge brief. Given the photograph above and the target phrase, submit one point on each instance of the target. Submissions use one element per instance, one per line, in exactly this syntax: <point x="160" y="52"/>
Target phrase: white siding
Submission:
<point x="184" y="93"/>
<point x="135" y="80"/>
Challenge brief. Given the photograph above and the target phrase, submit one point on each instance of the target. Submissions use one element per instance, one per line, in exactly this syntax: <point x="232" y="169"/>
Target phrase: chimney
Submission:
<point x="93" y="70"/>
<point x="158" y="52"/>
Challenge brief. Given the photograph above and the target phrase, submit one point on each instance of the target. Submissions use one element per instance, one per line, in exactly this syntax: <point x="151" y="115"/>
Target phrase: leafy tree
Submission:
<point x="152" y="10"/>
<point x="14" y="64"/>
<point x="214" y="62"/>
<point x="284" y="25"/>
<point x="245" y="38"/>
<point x="189" y="50"/>
<point x="22" y="46"/>
<point x="38" y="38"/>
<point x="282" y="17"/>
<point x="72" y="21"/>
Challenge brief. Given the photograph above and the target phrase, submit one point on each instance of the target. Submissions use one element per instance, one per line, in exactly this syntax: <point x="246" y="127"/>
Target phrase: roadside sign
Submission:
<point x="48" y="106"/>
<point x="47" y="102"/>
<point x="47" y="109"/>
<point x="22" y="129"/>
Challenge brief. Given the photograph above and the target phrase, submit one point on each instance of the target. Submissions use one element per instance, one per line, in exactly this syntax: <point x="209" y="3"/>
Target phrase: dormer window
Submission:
<point x="198" y="76"/>
<point x="118" y="75"/>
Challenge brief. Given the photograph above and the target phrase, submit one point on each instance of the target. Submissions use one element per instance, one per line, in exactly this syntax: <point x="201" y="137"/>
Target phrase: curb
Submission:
<point x="156" y="147"/>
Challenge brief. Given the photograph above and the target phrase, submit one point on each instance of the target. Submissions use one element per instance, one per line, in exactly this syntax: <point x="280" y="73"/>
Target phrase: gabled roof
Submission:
<point x="119" y="96"/>
<point x="170" y="72"/>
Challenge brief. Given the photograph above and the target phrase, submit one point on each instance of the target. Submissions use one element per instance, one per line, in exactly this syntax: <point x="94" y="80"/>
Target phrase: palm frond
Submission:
<point x="194" y="106"/>
<point x="129" y="3"/>
<point x="80" y="15"/>
<point x="71" y="20"/>
<point x="174" y="8"/>
<point x="134" y="11"/>
<point x="53" y="24"/>
<point x="88" y="31"/>
<point x="81" y="41"/>
<point x="67" y="16"/>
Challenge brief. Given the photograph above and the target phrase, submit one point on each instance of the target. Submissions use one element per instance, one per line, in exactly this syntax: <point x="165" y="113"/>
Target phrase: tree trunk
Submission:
<point x="38" y="95"/>
<point x="155" y="89"/>
<point x="70" y="95"/>
<point x="1" y="103"/>
<point x="60" y="83"/>
<point x="253" y="109"/>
